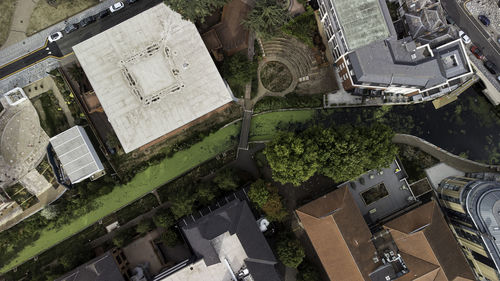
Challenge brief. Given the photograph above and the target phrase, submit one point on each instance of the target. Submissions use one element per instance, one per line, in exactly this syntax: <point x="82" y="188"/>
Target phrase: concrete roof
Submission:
<point x="363" y="21"/>
<point x="483" y="201"/>
<point x="396" y="200"/>
<point x="439" y="172"/>
<point x="401" y="62"/>
<point x="229" y="233"/>
<point x="102" y="268"/>
<point x="77" y="154"/>
<point x="152" y="75"/>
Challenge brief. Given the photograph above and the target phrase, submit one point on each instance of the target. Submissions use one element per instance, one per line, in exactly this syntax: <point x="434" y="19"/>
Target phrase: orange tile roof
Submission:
<point x="424" y="234"/>
<point x="343" y="243"/>
<point x="340" y="236"/>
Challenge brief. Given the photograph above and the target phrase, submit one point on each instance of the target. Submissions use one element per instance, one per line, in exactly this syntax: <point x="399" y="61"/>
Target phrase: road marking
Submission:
<point x="466" y="10"/>
<point x="50" y="56"/>
<point x="19" y="58"/>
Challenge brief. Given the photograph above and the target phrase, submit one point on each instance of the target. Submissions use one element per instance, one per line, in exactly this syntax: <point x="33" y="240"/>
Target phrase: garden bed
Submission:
<point x="275" y="76"/>
<point x="51" y="116"/>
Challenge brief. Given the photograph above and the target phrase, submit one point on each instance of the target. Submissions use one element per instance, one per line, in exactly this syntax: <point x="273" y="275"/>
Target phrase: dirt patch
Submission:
<point x="275" y="76"/>
<point x="46" y="15"/>
<point x="7" y="7"/>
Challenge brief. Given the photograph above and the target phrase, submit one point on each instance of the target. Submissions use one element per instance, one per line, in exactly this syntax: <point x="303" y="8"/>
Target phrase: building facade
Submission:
<point x="473" y="210"/>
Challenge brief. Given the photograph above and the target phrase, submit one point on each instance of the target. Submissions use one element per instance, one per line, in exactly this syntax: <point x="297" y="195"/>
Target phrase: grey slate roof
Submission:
<point x="76" y="153"/>
<point x="235" y="218"/>
<point x="399" y="62"/>
<point x="102" y="268"/>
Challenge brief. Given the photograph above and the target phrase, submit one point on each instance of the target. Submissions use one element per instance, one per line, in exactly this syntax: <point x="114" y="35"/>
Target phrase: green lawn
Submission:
<point x="7" y="7"/>
<point x="140" y="185"/>
<point x="265" y="126"/>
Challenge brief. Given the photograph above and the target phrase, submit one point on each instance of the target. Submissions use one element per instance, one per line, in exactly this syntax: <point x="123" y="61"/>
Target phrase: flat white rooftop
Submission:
<point x="76" y="153"/>
<point x="152" y="75"/>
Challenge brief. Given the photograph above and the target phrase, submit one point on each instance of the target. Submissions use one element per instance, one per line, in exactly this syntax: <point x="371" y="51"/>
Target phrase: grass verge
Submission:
<point x="46" y="15"/>
<point x="7" y="7"/>
<point x="265" y="126"/>
<point x="140" y="185"/>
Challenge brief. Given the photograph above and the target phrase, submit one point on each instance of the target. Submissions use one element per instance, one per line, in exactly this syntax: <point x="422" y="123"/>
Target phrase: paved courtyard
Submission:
<point x="141" y="252"/>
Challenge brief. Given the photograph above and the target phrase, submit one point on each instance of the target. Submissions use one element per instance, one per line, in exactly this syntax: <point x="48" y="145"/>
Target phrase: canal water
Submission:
<point x="469" y="126"/>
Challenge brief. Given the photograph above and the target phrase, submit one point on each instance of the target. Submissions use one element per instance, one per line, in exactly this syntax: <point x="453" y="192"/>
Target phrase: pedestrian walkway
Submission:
<point x="442" y="155"/>
<point x="20" y="22"/>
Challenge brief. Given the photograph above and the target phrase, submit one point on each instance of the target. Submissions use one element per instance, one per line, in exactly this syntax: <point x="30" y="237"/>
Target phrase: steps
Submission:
<point x="293" y="51"/>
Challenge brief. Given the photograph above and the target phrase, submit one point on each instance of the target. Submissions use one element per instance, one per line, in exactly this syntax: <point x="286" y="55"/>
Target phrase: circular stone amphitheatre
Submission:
<point x="275" y="76"/>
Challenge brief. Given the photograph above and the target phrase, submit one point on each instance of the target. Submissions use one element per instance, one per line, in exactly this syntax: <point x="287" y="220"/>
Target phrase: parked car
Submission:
<point x="70" y="28"/>
<point x="117" y="6"/>
<point x="498" y="39"/>
<point x="103" y="13"/>
<point x="131" y="1"/>
<point x="477" y="52"/>
<point x="492" y="68"/>
<point x="484" y="19"/>
<point x="55" y="36"/>
<point x="464" y="37"/>
<point x="87" y="21"/>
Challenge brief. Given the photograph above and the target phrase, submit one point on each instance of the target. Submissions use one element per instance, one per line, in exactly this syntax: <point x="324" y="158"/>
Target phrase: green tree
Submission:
<point x="341" y="153"/>
<point x="293" y="159"/>
<point x="206" y="192"/>
<point x="182" y="203"/>
<point x="267" y="17"/>
<point x="308" y="272"/>
<point x="290" y="252"/>
<point x="170" y="238"/>
<point x="195" y="10"/>
<point x="226" y="179"/>
<point x="274" y="209"/>
<point x="164" y="218"/>
<point x="258" y="193"/>
<point x="237" y="69"/>
<point x="303" y="27"/>
<point x="49" y="212"/>
<point x="267" y="198"/>
<point x="144" y="226"/>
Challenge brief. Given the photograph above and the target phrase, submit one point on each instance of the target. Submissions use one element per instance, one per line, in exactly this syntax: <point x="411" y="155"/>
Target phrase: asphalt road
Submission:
<point x="69" y="40"/>
<point x="64" y="45"/>
<point x="50" y="49"/>
<point x="472" y="27"/>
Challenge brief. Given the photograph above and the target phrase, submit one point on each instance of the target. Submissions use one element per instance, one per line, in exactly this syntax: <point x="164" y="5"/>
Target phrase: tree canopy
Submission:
<point x="227" y="180"/>
<point x="238" y="70"/>
<point x="195" y="10"/>
<point x="340" y="153"/>
<point x="290" y="252"/>
<point x="164" y="218"/>
<point x="266" y="197"/>
<point x="267" y="17"/>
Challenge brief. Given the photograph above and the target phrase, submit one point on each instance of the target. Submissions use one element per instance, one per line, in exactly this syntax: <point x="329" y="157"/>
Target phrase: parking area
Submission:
<point x="488" y="8"/>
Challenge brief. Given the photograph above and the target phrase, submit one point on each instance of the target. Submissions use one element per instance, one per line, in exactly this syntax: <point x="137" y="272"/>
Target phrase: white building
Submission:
<point x="152" y="74"/>
<point x="77" y="155"/>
